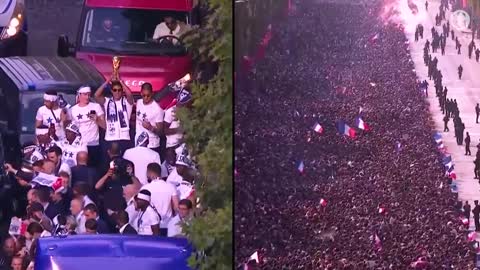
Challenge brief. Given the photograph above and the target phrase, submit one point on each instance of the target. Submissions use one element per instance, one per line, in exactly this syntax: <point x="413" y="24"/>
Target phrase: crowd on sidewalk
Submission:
<point x="376" y="200"/>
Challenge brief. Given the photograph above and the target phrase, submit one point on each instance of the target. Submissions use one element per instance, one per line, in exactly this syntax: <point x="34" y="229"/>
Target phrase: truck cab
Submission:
<point x="13" y="28"/>
<point x="125" y="28"/>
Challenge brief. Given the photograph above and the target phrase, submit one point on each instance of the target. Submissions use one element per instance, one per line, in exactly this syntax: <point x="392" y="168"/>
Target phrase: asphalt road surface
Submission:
<point x="47" y="19"/>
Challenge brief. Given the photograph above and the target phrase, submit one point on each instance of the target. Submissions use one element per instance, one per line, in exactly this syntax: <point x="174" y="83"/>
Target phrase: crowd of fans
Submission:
<point x="377" y="201"/>
<point x="112" y="166"/>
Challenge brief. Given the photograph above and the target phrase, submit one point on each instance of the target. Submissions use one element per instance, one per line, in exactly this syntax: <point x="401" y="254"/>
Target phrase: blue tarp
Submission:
<point x="119" y="252"/>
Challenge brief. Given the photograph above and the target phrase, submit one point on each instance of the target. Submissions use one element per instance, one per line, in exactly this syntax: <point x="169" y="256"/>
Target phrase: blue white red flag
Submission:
<point x="344" y="129"/>
<point x="318" y="128"/>
<point x="301" y="167"/>
<point x="437" y="137"/>
<point x="361" y="124"/>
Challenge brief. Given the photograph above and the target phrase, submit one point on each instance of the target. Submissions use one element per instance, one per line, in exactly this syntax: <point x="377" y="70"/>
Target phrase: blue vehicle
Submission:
<point x="119" y="252"/>
<point x="13" y="28"/>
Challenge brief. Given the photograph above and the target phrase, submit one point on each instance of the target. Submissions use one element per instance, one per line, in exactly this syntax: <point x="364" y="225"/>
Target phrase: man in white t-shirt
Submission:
<point x="148" y="222"/>
<point x="141" y="156"/>
<point x="118" y="110"/>
<point x="89" y="116"/>
<point x="51" y="115"/>
<point x="71" y="145"/>
<point x="171" y="124"/>
<point x="149" y="118"/>
<point x="184" y="216"/>
<point x="170" y="27"/>
<point x="129" y="192"/>
<point x="164" y="196"/>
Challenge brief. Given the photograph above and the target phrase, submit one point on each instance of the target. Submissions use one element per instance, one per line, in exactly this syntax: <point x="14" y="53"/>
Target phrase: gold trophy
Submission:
<point x="116" y="66"/>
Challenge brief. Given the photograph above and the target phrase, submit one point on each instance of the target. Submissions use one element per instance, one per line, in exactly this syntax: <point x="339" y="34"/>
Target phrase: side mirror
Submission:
<point x="63" y="46"/>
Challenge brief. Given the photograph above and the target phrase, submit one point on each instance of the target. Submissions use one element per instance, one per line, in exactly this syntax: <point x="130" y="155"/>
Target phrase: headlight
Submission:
<point x="14" y="22"/>
<point x="11" y="31"/>
<point x="13" y="27"/>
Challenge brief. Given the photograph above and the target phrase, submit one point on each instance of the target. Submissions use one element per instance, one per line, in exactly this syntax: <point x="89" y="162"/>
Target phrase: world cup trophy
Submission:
<point x="116" y="67"/>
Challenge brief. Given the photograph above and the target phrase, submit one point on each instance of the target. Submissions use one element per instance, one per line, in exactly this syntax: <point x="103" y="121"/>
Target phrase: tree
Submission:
<point x="208" y="128"/>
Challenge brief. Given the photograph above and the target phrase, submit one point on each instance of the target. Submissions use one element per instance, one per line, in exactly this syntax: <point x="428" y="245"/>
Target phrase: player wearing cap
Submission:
<point x="50" y="115"/>
<point x="71" y="145"/>
<point x="88" y="116"/>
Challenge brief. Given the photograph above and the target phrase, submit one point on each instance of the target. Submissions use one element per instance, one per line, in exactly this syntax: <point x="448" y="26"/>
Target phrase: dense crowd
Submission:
<point x="107" y="164"/>
<point x="377" y="201"/>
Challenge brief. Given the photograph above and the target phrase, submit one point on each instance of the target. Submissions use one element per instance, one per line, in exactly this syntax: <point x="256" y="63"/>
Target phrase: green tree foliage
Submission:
<point x="208" y="125"/>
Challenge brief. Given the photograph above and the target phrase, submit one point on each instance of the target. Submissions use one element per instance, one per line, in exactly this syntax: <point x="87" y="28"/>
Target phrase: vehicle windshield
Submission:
<point x="130" y="31"/>
<point x="31" y="101"/>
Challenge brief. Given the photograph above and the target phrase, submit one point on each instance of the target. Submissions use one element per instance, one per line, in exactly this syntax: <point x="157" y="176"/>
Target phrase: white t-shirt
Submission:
<point x="146" y="220"/>
<point x="70" y="151"/>
<point x="163" y="30"/>
<point x="80" y="219"/>
<point x="132" y="214"/>
<point x="88" y="128"/>
<point x="170" y="118"/>
<point x="64" y="167"/>
<point x="114" y="131"/>
<point x="47" y="117"/>
<point x="140" y="157"/>
<point x="153" y="114"/>
<point x="174" y="178"/>
<point x="162" y="193"/>
<point x="184" y="188"/>
<point x="175" y="227"/>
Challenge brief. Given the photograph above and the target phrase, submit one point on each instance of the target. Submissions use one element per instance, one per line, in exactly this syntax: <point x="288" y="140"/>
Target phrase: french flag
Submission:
<point x="437" y="137"/>
<point x="447" y="161"/>
<point x="345" y="129"/>
<point x="318" y="128"/>
<point x="451" y="173"/>
<point x="472" y="236"/>
<point x="361" y="124"/>
<point x="301" y="167"/>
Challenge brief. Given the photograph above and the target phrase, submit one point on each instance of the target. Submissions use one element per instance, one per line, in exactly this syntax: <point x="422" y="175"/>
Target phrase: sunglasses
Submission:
<point x="117" y="89"/>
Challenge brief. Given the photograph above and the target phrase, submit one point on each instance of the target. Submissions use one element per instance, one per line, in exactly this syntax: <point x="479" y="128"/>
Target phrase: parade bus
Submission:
<point x="13" y="28"/>
<point x="131" y="24"/>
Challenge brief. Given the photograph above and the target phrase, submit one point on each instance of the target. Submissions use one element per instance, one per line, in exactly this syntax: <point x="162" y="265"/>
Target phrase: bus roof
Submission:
<point x="119" y="252"/>
<point x="176" y="5"/>
<point x="43" y="73"/>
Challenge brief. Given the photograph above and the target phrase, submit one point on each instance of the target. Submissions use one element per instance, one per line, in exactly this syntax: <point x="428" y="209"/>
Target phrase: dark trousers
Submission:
<point x="94" y="156"/>
<point x="467" y="149"/>
<point x="477" y="118"/>
<point x="445" y="129"/>
<point x="477" y="222"/>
